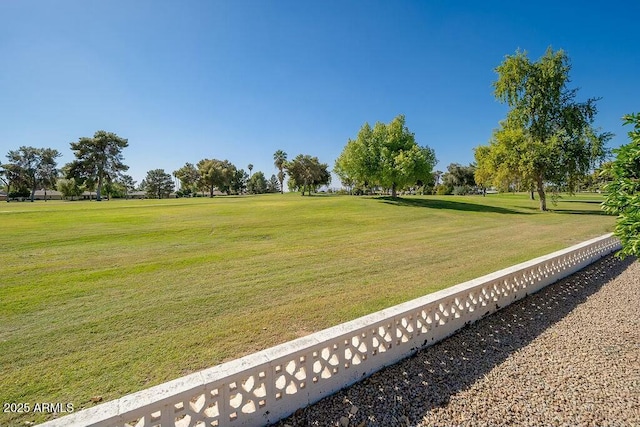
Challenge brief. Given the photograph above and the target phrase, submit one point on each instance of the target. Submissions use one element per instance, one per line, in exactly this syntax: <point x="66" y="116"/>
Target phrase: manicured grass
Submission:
<point x="104" y="299"/>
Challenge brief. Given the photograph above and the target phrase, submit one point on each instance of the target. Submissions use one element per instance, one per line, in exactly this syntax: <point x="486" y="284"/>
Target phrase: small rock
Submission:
<point x="344" y="422"/>
<point x="96" y="399"/>
<point x="353" y="410"/>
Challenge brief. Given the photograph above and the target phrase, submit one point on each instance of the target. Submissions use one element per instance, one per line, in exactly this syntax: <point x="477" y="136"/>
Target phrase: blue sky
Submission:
<point x="238" y="80"/>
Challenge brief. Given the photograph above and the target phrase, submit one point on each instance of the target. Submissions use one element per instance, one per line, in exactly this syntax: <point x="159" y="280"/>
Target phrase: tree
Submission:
<point x="127" y="183"/>
<point x="547" y="137"/>
<point x="459" y="179"/>
<point x="623" y="192"/>
<point x="273" y="186"/>
<point x="257" y="183"/>
<point x="188" y="176"/>
<point x="158" y="183"/>
<point x="69" y="188"/>
<point x="239" y="181"/>
<point x="279" y="161"/>
<point x="216" y="174"/>
<point x="32" y="167"/>
<point x="385" y="155"/>
<point x="98" y="158"/>
<point x="306" y="173"/>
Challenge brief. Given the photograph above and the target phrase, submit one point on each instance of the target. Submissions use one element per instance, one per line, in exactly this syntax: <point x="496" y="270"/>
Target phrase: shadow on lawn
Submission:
<point x="455" y="364"/>
<point x="447" y="204"/>
<point x="566" y="211"/>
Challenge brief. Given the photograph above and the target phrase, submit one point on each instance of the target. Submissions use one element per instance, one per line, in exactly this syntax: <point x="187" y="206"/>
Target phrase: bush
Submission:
<point x="23" y="192"/>
<point x="623" y="192"/>
<point x="443" y="190"/>
<point x="460" y="190"/>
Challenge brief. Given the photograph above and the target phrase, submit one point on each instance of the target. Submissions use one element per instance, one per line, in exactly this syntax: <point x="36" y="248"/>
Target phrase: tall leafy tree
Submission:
<point x="158" y="183"/>
<point x="250" y="167"/>
<point x="623" y="191"/>
<point x="69" y="188"/>
<point x="547" y="137"/>
<point x="273" y="185"/>
<point x="387" y="156"/>
<point x="98" y="158"/>
<point x="216" y="173"/>
<point x="239" y="181"/>
<point x="307" y="173"/>
<point x="33" y="167"/>
<point x="257" y="183"/>
<point x="188" y="176"/>
<point x="279" y="161"/>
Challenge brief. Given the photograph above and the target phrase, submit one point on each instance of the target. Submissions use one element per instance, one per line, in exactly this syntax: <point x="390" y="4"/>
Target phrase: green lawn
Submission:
<point x="104" y="299"/>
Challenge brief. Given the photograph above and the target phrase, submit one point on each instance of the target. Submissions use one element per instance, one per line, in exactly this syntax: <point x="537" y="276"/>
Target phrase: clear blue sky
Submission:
<point x="238" y="80"/>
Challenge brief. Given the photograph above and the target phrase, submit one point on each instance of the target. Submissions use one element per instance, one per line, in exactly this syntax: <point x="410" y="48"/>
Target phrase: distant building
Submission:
<point x="51" y="195"/>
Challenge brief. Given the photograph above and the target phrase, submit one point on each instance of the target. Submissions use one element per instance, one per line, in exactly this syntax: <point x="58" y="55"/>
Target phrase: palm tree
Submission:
<point x="250" y="167"/>
<point x="279" y="160"/>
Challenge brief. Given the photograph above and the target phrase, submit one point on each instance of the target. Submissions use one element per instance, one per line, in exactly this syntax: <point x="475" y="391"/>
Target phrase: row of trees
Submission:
<point x="98" y="161"/>
<point x="305" y="173"/>
<point x="99" y="166"/>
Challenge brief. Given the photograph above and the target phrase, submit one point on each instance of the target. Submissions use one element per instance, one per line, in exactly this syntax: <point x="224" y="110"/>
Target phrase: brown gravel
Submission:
<point x="566" y="356"/>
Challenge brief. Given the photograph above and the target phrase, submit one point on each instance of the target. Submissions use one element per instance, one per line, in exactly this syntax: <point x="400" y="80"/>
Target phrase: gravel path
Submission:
<point x="566" y="356"/>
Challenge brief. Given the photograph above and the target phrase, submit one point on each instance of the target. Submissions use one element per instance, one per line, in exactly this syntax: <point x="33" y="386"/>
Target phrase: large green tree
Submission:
<point x="547" y="136"/>
<point x="623" y="192"/>
<point x="32" y="167"/>
<point x="306" y="173"/>
<point x="279" y="161"/>
<point x="386" y="155"/>
<point x="158" y="184"/>
<point x="188" y="176"/>
<point x="216" y="173"/>
<point x="257" y="184"/>
<point x="98" y="159"/>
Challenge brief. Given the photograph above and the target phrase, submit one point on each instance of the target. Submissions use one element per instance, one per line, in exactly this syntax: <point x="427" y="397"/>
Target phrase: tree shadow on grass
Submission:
<point x="595" y="202"/>
<point x="567" y="211"/>
<point x="447" y="204"/>
<point x="455" y="364"/>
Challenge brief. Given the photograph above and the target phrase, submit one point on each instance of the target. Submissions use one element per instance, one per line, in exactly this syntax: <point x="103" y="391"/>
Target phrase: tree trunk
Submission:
<point x="543" y="197"/>
<point x="33" y="193"/>
<point x="393" y="190"/>
<point x="531" y="195"/>
<point x="98" y="190"/>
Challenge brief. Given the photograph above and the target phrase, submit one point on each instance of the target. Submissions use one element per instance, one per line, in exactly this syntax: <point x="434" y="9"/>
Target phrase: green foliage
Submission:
<point x="239" y="181"/>
<point x="257" y="183"/>
<point x="97" y="159"/>
<point x="69" y="188"/>
<point x="386" y="156"/>
<point x="127" y="184"/>
<point x="188" y="176"/>
<point x="273" y="185"/>
<point x="459" y="176"/>
<point x="158" y="184"/>
<point x="443" y="190"/>
<point x="216" y="173"/>
<point x="31" y="168"/>
<point x="623" y="192"/>
<point x="279" y="161"/>
<point x="306" y="173"/>
<point x="547" y="137"/>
